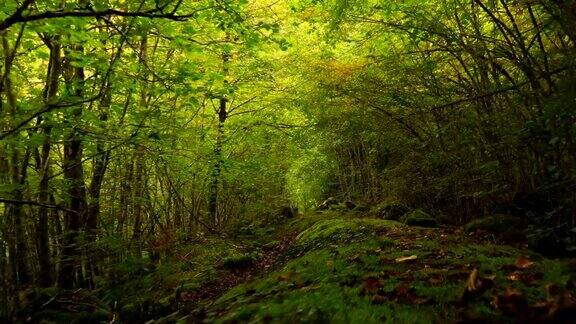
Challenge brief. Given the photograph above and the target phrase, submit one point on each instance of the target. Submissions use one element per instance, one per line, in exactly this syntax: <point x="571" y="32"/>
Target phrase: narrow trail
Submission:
<point x="197" y="301"/>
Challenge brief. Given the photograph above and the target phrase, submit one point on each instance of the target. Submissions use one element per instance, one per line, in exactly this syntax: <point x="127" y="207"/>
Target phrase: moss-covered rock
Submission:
<point x="350" y="204"/>
<point x="328" y="203"/>
<point x="334" y="231"/>
<point x="496" y="224"/>
<point x="391" y="212"/>
<point x="420" y="218"/>
<point x="241" y="261"/>
<point x="288" y="212"/>
<point x="546" y="243"/>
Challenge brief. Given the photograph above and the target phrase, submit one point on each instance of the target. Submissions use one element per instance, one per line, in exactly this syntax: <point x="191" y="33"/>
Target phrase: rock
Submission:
<point x="497" y="224"/>
<point x="238" y="262"/>
<point x="288" y="212"/>
<point x="328" y="203"/>
<point x="350" y="205"/>
<point x="419" y="218"/>
<point x="392" y="212"/>
<point x="546" y="242"/>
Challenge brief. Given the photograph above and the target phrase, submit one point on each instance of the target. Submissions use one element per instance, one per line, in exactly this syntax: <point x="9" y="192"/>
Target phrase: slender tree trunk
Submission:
<point x="17" y="169"/>
<point x="218" y="162"/>
<point x="125" y="195"/>
<point x="42" y="236"/>
<point x="138" y="199"/>
<point x="100" y="164"/>
<point x="70" y="272"/>
<point x="213" y="197"/>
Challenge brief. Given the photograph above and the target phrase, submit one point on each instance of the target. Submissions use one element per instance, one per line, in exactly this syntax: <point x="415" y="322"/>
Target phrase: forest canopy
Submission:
<point x="136" y="133"/>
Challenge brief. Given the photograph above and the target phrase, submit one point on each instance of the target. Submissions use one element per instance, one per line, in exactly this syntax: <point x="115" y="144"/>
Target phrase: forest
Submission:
<point x="277" y="161"/>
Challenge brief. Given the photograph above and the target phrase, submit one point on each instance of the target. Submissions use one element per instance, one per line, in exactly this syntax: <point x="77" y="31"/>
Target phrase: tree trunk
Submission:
<point x="138" y="199"/>
<point x="70" y="273"/>
<point x="42" y="237"/>
<point x="218" y="161"/>
<point x="17" y="169"/>
<point x="100" y="164"/>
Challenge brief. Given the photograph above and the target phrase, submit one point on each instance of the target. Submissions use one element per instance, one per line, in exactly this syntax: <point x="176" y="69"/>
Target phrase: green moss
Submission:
<point x="337" y="231"/>
<point x="238" y="261"/>
<point x="420" y="218"/>
<point x="324" y="283"/>
<point x="324" y="274"/>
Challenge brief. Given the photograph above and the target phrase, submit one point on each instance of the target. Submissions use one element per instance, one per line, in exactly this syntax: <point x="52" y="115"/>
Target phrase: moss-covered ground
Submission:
<point x="328" y="267"/>
<point x="371" y="271"/>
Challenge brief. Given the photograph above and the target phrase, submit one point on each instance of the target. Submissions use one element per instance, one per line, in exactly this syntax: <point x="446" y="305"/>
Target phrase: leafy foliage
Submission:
<point x="150" y="150"/>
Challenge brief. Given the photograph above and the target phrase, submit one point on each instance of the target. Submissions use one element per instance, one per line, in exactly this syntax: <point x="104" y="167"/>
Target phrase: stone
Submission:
<point x="328" y="203"/>
<point x="419" y="218"/>
<point x="350" y="205"/>
<point x="288" y="212"/>
<point x="546" y="243"/>
<point x="392" y="212"/>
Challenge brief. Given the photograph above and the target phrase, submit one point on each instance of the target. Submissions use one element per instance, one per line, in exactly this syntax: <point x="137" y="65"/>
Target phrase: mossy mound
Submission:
<point x="334" y="231"/>
<point x="498" y="223"/>
<point x="395" y="274"/>
<point x="420" y="218"/>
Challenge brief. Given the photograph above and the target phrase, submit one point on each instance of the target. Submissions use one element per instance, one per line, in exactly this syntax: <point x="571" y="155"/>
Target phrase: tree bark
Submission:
<point x="17" y="169"/>
<point x="138" y="199"/>
<point x="70" y="274"/>
<point x="42" y="236"/>
<point x="218" y="161"/>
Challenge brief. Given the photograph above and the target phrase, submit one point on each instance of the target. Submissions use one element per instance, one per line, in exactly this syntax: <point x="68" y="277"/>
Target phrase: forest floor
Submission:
<point x="342" y="268"/>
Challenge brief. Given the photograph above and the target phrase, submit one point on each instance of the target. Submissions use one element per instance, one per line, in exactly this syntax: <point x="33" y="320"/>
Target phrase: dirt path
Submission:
<point x="197" y="301"/>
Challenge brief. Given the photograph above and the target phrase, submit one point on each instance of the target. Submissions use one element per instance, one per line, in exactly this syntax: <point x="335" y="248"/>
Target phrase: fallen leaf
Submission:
<point x="285" y="277"/>
<point x="562" y="303"/>
<point x="523" y="263"/>
<point x="378" y="299"/>
<point x="406" y="259"/>
<point x="436" y="280"/>
<point x="354" y="258"/>
<point x="475" y="286"/>
<point x="370" y="285"/>
<point x="514" y="276"/>
<point x="491" y="277"/>
<point x="330" y="263"/>
<point x="407" y="295"/>
<point x="532" y="278"/>
<point x="473" y="282"/>
<point x="512" y="303"/>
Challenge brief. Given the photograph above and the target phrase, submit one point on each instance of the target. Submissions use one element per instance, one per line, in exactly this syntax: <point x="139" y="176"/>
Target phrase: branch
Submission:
<point x="242" y="104"/>
<point x="18" y="17"/>
<point x="47" y="109"/>
<point x="35" y="203"/>
<point x="498" y="91"/>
